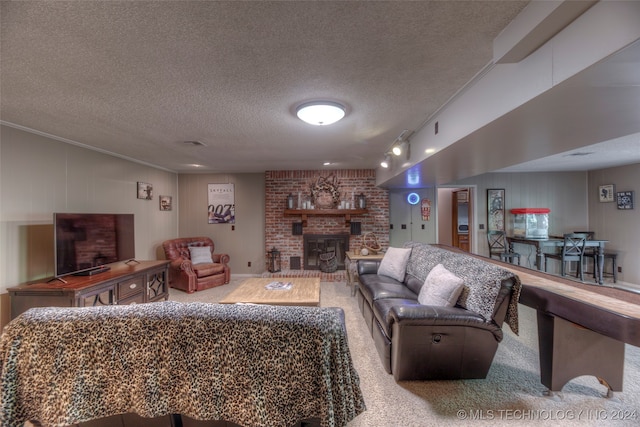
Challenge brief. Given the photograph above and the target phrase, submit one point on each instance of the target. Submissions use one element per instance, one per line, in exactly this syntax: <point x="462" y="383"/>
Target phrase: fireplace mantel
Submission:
<point x="306" y="213"/>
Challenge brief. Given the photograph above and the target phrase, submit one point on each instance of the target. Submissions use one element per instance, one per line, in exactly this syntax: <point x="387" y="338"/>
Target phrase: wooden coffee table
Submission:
<point x="305" y="291"/>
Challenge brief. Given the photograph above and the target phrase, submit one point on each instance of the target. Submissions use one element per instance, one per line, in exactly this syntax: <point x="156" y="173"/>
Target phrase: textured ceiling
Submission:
<point x="137" y="78"/>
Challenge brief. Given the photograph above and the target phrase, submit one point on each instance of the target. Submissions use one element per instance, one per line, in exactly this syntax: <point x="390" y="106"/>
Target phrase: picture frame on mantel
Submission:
<point x="605" y="193"/>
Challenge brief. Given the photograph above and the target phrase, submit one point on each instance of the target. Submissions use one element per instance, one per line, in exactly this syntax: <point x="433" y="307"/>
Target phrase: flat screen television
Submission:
<point x="85" y="243"/>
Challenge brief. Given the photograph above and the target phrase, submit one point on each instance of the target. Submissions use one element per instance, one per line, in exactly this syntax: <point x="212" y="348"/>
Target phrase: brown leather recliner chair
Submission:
<point x="189" y="277"/>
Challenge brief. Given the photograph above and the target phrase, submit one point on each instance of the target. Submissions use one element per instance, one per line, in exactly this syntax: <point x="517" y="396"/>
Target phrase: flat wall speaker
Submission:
<point x="296" y="229"/>
<point x="356" y="228"/>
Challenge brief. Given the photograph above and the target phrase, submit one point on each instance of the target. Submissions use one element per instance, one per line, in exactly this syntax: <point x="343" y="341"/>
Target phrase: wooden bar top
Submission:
<point x="597" y="295"/>
<point x="612" y="312"/>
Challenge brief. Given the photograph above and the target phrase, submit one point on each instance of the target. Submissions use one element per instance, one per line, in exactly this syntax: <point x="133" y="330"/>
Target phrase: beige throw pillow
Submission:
<point x="200" y="254"/>
<point x="441" y="287"/>
<point x="394" y="263"/>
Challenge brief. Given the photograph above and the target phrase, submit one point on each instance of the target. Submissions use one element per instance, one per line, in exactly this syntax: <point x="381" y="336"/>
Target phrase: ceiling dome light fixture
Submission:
<point x="320" y="113"/>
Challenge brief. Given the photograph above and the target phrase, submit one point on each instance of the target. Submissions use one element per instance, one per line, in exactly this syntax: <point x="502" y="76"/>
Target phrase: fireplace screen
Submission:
<point x="318" y="244"/>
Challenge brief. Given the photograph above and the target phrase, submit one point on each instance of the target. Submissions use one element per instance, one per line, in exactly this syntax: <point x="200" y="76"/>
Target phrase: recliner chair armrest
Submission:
<point x="220" y="258"/>
<point x="176" y="264"/>
<point x="428" y="315"/>
<point x="187" y="266"/>
<point x="368" y="266"/>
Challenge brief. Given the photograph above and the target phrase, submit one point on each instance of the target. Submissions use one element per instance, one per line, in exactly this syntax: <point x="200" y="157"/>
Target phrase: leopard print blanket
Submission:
<point x="482" y="280"/>
<point x="248" y="364"/>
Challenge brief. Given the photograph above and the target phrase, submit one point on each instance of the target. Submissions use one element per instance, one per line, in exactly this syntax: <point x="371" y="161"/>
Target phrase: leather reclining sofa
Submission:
<point x="422" y="342"/>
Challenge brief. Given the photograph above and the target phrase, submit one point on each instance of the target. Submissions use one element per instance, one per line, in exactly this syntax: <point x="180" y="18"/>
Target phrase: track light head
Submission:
<point x="385" y="163"/>
<point x="400" y="148"/>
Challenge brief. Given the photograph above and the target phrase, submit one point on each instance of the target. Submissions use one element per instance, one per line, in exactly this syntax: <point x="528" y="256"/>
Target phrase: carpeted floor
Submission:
<point x="510" y="395"/>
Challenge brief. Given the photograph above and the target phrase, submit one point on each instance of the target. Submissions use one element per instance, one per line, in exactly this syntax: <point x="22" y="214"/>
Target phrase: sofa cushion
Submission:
<point x="394" y="263"/>
<point x="374" y="287"/>
<point x="200" y="254"/>
<point x="205" y="270"/>
<point x="441" y="287"/>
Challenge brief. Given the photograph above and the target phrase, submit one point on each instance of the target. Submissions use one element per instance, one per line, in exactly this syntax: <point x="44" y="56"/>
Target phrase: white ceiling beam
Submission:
<point x="534" y="26"/>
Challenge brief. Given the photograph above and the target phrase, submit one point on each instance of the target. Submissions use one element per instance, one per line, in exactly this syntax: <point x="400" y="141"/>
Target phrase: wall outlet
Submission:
<point x="619" y="269"/>
<point x="249" y="264"/>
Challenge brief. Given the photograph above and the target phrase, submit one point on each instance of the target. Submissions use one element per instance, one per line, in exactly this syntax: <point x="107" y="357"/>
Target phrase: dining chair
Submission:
<point x="498" y="246"/>
<point x="590" y="253"/>
<point x="572" y="250"/>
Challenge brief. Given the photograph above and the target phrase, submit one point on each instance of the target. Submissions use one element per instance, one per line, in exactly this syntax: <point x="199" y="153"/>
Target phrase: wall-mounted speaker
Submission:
<point x="356" y="228"/>
<point x="296" y="229"/>
<point x="294" y="263"/>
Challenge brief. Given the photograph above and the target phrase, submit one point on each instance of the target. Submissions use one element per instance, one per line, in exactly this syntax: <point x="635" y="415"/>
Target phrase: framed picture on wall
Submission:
<point x="605" y="192"/>
<point x="495" y="209"/>
<point x="165" y="203"/>
<point x="222" y="207"/>
<point x="145" y="191"/>
<point x="625" y="199"/>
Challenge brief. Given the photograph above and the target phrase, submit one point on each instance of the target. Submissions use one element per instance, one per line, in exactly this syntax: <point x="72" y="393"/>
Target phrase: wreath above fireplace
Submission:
<point x="324" y="192"/>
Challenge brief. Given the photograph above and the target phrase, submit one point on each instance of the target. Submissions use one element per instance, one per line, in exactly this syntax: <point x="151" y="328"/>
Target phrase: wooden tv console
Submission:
<point x="125" y="283"/>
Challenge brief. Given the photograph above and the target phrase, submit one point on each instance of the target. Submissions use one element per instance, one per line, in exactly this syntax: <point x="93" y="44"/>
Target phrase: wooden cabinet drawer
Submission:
<point x="135" y="299"/>
<point x="130" y="287"/>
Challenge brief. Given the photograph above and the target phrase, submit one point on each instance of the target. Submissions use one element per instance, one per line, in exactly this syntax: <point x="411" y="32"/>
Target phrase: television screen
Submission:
<point x="85" y="242"/>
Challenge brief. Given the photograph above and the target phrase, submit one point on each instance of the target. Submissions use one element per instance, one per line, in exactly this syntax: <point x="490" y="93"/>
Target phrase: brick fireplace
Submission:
<point x="280" y="228"/>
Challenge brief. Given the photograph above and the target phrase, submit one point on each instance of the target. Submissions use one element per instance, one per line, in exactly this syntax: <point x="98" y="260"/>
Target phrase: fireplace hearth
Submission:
<point x="315" y="245"/>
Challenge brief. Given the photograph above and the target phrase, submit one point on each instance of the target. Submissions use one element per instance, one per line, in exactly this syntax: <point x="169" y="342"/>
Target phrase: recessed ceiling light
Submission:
<point x="326" y="164"/>
<point x="320" y="113"/>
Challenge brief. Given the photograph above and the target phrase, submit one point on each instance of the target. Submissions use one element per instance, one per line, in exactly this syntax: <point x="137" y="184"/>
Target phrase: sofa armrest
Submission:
<point x="368" y="266"/>
<point x="187" y="266"/>
<point x="428" y="315"/>
<point x="176" y="264"/>
<point x="220" y="258"/>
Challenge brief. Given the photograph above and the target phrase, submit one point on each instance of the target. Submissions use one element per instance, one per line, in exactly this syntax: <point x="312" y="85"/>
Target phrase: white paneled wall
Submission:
<point x="402" y="213"/>
<point x="40" y="176"/>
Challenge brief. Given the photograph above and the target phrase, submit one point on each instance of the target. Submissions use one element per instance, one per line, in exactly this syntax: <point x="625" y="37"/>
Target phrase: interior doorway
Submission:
<point x="460" y="218"/>
<point x="456" y="216"/>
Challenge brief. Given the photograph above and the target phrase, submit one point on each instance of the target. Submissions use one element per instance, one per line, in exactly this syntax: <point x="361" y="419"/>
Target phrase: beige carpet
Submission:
<point x="510" y="395"/>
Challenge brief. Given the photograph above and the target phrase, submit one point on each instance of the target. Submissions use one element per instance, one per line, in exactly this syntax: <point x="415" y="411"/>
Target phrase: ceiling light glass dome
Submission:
<point x="320" y="113"/>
